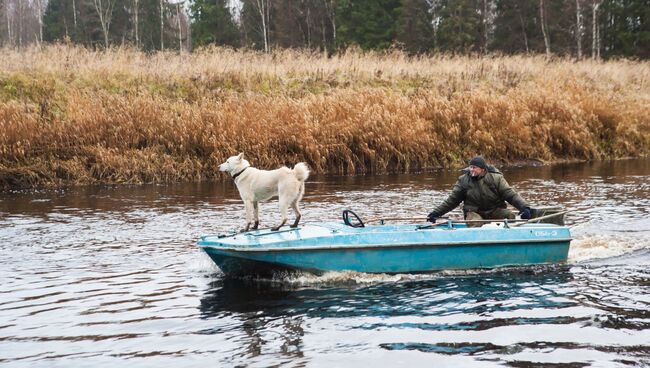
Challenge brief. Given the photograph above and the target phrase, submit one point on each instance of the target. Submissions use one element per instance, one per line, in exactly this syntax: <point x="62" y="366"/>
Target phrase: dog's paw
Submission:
<point x="275" y="228"/>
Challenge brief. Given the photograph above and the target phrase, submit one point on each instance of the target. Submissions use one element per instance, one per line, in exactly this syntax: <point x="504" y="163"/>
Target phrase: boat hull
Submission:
<point x="402" y="250"/>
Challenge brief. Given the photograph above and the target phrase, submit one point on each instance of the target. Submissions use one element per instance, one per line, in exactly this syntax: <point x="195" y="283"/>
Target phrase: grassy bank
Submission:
<point x="72" y="116"/>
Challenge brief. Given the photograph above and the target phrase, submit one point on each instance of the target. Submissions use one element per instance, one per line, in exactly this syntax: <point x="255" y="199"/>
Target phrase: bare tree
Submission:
<point x="104" y="9"/>
<point x="136" y="12"/>
<point x="578" y="30"/>
<point x="263" y="8"/>
<point x="330" y="8"/>
<point x="484" y="22"/>
<point x="323" y="31"/>
<point x="489" y="11"/>
<point x="22" y="22"/>
<point x="180" y="32"/>
<point x="8" y="10"/>
<point x="40" y="9"/>
<point x="523" y="27"/>
<point x="74" y="14"/>
<point x="162" y="25"/>
<point x="542" y="21"/>
<point x="595" y="30"/>
<point x="309" y="26"/>
<point x="21" y="18"/>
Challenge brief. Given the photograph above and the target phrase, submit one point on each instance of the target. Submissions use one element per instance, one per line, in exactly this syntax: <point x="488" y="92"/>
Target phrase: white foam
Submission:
<point x="603" y="246"/>
<point x="597" y="240"/>
<point x="360" y="278"/>
<point x="350" y="277"/>
<point x="202" y="263"/>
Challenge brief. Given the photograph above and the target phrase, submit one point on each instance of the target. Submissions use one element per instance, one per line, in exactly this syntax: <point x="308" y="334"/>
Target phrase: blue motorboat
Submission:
<point x="402" y="248"/>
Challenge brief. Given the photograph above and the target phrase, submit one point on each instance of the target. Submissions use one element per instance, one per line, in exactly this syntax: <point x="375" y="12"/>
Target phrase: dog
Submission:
<point x="257" y="185"/>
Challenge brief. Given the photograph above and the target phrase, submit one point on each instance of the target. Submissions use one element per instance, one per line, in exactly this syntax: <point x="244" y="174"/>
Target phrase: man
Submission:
<point x="484" y="193"/>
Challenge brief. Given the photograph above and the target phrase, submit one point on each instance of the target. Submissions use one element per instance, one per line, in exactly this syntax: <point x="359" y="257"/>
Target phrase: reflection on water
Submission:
<point x="552" y="313"/>
<point x="101" y="276"/>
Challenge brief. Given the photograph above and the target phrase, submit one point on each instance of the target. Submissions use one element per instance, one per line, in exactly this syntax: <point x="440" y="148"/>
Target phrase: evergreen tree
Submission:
<point x="75" y="20"/>
<point x="212" y="23"/>
<point x="58" y="21"/>
<point x="371" y="24"/>
<point x="149" y="25"/>
<point x="625" y="26"/>
<point x="459" y="27"/>
<point x="516" y="27"/>
<point x="618" y="28"/>
<point x="415" y="26"/>
<point x="643" y="38"/>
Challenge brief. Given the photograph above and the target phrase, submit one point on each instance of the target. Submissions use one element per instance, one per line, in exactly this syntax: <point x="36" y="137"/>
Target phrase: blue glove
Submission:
<point x="432" y="217"/>
<point x="525" y="214"/>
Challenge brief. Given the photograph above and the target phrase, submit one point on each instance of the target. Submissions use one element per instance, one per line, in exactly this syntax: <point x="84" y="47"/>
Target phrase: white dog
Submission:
<point x="256" y="185"/>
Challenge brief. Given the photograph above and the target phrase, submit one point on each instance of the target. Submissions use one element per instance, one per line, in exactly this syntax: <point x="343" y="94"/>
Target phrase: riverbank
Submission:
<point x="72" y="116"/>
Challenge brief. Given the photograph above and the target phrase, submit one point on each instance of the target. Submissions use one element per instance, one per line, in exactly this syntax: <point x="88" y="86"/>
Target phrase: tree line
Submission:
<point x="575" y="28"/>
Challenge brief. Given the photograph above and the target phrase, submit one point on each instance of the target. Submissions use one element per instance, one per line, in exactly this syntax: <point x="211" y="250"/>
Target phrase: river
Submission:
<point x="109" y="275"/>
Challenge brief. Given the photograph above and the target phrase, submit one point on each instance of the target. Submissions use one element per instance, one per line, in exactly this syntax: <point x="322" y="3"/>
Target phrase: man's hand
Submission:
<point x="525" y="214"/>
<point x="432" y="217"/>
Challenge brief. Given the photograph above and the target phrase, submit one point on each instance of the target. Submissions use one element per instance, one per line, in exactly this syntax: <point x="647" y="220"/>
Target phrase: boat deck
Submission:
<point x="336" y="235"/>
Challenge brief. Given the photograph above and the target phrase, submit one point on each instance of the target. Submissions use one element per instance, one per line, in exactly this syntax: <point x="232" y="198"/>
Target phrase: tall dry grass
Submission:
<point x="69" y="115"/>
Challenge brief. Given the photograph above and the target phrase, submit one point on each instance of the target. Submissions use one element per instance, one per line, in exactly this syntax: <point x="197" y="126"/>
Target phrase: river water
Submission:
<point x="103" y="276"/>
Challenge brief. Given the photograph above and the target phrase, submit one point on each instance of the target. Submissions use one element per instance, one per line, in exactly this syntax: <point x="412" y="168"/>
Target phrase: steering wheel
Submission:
<point x="346" y="219"/>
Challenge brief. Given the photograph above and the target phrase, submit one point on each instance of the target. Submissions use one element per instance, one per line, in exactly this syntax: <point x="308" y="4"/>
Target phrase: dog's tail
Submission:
<point x="301" y="171"/>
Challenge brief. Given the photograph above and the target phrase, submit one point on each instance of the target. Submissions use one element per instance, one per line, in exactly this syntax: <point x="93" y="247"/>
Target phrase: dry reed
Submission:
<point x="69" y="115"/>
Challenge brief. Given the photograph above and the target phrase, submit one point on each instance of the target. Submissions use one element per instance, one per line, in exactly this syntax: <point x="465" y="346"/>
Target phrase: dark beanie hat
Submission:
<point x="478" y="161"/>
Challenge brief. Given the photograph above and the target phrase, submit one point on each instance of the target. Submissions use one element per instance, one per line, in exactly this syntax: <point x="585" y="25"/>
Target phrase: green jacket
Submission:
<point x="481" y="194"/>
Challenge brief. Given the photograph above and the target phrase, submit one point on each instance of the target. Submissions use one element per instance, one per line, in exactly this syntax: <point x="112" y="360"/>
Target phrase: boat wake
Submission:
<point x="598" y="240"/>
<point x="352" y="278"/>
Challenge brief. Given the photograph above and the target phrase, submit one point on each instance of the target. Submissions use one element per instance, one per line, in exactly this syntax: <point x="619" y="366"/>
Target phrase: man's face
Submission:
<point x="476" y="171"/>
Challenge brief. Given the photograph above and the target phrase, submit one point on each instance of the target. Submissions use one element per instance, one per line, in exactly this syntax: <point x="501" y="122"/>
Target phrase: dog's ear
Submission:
<point x="241" y="156"/>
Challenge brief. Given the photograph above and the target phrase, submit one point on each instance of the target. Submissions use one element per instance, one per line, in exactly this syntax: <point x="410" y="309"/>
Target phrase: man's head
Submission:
<point x="477" y="166"/>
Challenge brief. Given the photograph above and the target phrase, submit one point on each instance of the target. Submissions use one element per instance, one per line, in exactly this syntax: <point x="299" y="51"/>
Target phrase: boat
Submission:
<point x="397" y="248"/>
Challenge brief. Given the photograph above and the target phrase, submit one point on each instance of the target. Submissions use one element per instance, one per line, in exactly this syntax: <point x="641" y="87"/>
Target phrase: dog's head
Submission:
<point x="234" y="164"/>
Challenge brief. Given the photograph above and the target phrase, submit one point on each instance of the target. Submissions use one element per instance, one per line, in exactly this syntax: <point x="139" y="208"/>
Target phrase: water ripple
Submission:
<point x="108" y="276"/>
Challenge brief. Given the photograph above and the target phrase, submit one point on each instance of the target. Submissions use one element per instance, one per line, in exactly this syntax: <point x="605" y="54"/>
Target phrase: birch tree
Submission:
<point x="523" y="28"/>
<point x="595" y="30"/>
<point x="40" y="8"/>
<point x="578" y="30"/>
<point x="21" y="21"/>
<point x="74" y="15"/>
<point x="264" y="11"/>
<point x="180" y="32"/>
<point x="104" y="9"/>
<point x="136" y="13"/>
<point x="485" y="30"/>
<point x="162" y="25"/>
<point x="542" y="21"/>
<point x="8" y="9"/>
